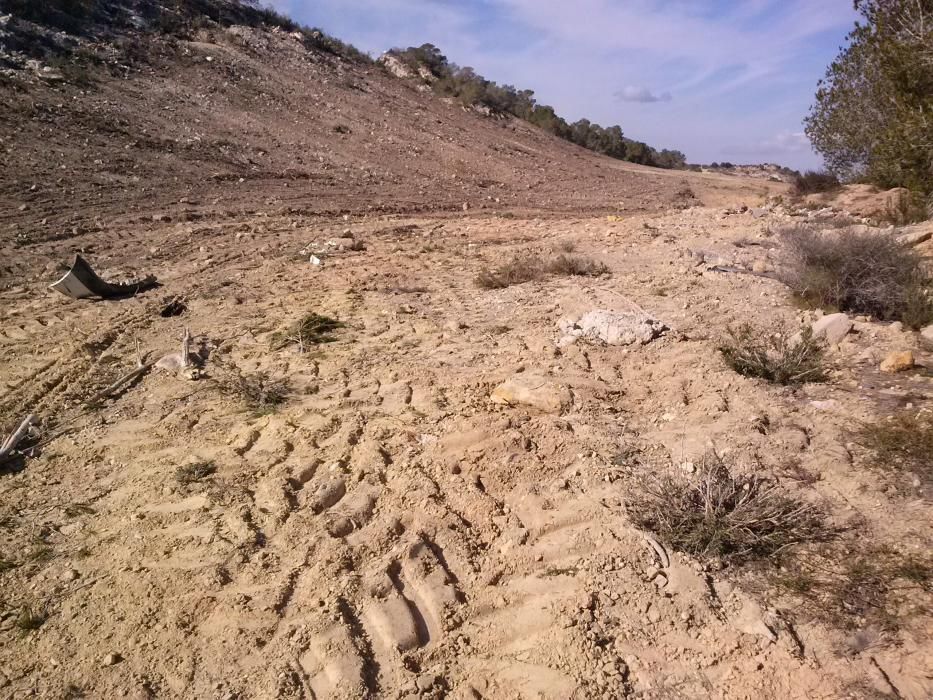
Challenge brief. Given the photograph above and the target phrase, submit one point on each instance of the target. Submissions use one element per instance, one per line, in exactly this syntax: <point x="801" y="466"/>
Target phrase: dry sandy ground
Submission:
<point x="390" y="532"/>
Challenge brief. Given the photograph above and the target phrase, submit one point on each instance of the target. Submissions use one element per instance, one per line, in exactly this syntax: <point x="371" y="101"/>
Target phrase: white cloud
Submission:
<point x="632" y="93"/>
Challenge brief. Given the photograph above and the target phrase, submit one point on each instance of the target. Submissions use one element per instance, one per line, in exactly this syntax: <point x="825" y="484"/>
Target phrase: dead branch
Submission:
<point x="16" y="437"/>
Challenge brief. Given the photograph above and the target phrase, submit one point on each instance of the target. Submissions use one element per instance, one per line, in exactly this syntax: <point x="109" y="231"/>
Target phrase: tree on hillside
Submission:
<point x="873" y="116"/>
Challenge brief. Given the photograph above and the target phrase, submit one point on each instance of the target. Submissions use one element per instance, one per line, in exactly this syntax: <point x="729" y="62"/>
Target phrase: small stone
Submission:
<point x="898" y="361"/>
<point x="112" y="659"/>
<point x="70" y="575"/>
<point x="927" y="333"/>
<point x="534" y="391"/>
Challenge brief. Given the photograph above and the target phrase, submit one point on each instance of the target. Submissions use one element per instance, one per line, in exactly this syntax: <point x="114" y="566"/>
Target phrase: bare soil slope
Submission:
<point x="250" y="120"/>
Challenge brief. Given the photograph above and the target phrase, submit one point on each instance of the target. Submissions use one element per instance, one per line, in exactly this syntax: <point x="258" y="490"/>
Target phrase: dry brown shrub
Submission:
<point x="714" y="514"/>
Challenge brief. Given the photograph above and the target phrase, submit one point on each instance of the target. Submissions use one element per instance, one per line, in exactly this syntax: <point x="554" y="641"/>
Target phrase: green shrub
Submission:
<point x="864" y="273"/>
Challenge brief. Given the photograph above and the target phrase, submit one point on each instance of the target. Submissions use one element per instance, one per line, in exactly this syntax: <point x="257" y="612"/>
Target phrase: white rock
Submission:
<point x="832" y="328"/>
<point x="619" y="328"/>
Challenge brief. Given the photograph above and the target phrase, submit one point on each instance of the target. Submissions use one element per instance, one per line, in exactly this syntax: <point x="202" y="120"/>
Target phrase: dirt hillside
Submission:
<point x="426" y="490"/>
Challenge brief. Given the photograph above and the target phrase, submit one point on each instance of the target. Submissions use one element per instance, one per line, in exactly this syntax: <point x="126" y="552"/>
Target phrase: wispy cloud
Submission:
<point x="632" y="93"/>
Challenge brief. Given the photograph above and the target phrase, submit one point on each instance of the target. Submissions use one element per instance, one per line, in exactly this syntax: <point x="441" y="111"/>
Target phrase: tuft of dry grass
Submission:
<point x="194" y="472"/>
<point x="903" y="442"/>
<point x="523" y="269"/>
<point x="257" y="391"/>
<point x="717" y="515"/>
<point x="813" y="181"/>
<point x="780" y="357"/>
<point x="864" y="273"/>
<point x="518" y="270"/>
<point x="29" y="621"/>
<point x="576" y="265"/>
<point x="310" y="329"/>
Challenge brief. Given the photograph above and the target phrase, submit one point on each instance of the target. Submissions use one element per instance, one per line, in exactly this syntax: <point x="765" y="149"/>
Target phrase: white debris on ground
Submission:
<point x="612" y="328"/>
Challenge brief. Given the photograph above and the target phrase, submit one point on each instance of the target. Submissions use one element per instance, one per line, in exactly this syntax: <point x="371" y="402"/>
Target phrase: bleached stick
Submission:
<point x="11" y="442"/>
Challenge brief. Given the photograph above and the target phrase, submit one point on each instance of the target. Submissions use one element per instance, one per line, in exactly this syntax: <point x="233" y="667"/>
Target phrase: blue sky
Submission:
<point x="718" y="80"/>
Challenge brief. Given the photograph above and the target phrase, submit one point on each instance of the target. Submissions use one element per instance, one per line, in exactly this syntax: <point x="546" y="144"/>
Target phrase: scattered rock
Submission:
<point x="916" y="234"/>
<point x="898" y="361"/>
<point x="534" y="391"/>
<point x="832" y="328"/>
<point x="927" y="333"/>
<point x="70" y="575"/>
<point x="112" y="659"/>
<point x="614" y="328"/>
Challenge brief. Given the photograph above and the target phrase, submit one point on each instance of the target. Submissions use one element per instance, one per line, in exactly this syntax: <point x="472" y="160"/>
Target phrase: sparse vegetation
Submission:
<point x="576" y="265"/>
<point x="521" y="269"/>
<point x="779" y="357"/>
<point x="29" y="621"/>
<point x="310" y="329"/>
<point x="473" y="89"/>
<point x="193" y="473"/>
<point x="717" y="515"/>
<point x="903" y="442"/>
<point x="864" y="273"/>
<point x="814" y="181"/>
<point x="516" y="271"/>
<point x="257" y="391"/>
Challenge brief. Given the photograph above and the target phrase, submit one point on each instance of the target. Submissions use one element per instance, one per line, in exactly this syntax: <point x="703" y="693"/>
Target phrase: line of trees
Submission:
<point x="464" y="84"/>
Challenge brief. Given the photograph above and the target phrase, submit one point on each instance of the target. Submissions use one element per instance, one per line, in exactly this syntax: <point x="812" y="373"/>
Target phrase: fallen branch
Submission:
<point x="11" y="442"/>
<point x="141" y="368"/>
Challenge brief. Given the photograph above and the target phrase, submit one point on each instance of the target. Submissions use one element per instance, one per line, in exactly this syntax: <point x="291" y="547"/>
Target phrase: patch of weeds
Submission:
<point x="258" y="391"/>
<point x="903" y="442"/>
<point x="793" y="470"/>
<point x="516" y="271"/>
<point x="567" y="246"/>
<point x="855" y="587"/>
<point x="813" y="181"/>
<point x="864" y="273"/>
<point x="342" y="129"/>
<point x="717" y="515"/>
<point x="194" y="472"/>
<point x="311" y="329"/>
<point x="499" y="330"/>
<point x="909" y="209"/>
<point x="780" y="357"/>
<point x="74" y="510"/>
<point x="659" y="292"/>
<point x="577" y="266"/>
<point x="29" y="621"/>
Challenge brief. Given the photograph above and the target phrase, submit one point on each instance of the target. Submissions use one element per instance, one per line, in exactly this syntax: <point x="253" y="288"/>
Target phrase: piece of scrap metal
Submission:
<point x="81" y="282"/>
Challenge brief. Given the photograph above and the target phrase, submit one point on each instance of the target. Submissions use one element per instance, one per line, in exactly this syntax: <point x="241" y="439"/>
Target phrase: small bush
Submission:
<point x="29" y="621"/>
<point x="194" y="472"/>
<point x="814" y="181"/>
<point x="576" y="265"/>
<point x="864" y="273"/>
<point x="714" y="514"/>
<point x="516" y="271"/>
<point x="311" y="329"/>
<point x="779" y="357"/>
<point x="903" y="442"/>
<point x="526" y="269"/>
<point x="258" y="391"/>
